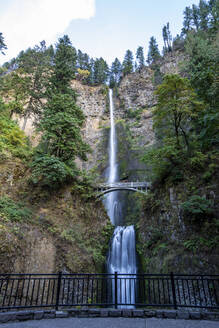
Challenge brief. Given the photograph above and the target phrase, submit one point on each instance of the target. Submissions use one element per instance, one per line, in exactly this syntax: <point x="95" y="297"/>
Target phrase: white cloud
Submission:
<point x="25" y="23"/>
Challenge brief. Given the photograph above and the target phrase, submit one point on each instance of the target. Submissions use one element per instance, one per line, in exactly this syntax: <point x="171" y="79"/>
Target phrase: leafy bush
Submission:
<point x="197" y="208"/>
<point x="50" y="171"/>
<point x="136" y="113"/>
<point x="85" y="186"/>
<point x="163" y="159"/>
<point x="11" y="211"/>
<point x="12" y="138"/>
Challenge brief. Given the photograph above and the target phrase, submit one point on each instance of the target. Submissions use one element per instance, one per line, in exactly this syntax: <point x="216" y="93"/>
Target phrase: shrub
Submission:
<point x="11" y="211"/>
<point x="13" y="139"/>
<point x="197" y="208"/>
<point x="50" y="171"/>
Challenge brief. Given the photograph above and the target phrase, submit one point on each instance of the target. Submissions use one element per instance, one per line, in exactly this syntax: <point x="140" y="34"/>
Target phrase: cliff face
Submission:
<point x="169" y="240"/>
<point x="94" y="103"/>
<point x="71" y="233"/>
<point x="43" y="231"/>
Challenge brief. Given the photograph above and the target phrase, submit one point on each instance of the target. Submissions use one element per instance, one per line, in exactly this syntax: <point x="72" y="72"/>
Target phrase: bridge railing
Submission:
<point x="139" y="290"/>
<point x="124" y="184"/>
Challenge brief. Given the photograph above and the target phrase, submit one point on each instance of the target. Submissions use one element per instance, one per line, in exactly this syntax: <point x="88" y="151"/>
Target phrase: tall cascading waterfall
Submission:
<point x="122" y="253"/>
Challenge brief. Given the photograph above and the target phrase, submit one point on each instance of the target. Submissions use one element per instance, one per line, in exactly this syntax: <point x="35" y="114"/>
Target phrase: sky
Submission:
<point x="102" y="28"/>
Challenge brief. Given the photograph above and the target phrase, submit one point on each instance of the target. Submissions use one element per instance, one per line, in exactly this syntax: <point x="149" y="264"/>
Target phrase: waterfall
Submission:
<point x="122" y="253"/>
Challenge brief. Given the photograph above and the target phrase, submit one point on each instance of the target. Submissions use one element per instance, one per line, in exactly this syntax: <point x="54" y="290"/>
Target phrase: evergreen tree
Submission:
<point x="115" y="72"/>
<point x="90" y="79"/>
<point x="203" y="12"/>
<point x="82" y="60"/>
<point x="196" y="16"/>
<point x="37" y="63"/>
<point x="214" y="15"/>
<point x="140" y="58"/>
<point x="127" y="65"/>
<point x="202" y="69"/>
<point x="153" y="51"/>
<point x="65" y="64"/>
<point x="167" y="38"/>
<point x="2" y="44"/>
<point x="187" y="23"/>
<point x="61" y="122"/>
<point x="101" y="71"/>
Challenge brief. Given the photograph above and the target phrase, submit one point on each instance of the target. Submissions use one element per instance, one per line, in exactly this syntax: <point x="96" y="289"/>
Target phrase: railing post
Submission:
<point x="58" y="289"/>
<point x="173" y="290"/>
<point x="116" y="288"/>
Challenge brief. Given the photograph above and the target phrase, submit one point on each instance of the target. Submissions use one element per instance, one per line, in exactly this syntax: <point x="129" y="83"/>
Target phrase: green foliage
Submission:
<point x="163" y="158"/>
<point x="115" y="73"/>
<point x="134" y="113"/>
<point x="156" y="236"/>
<point x="198" y="243"/>
<point x="153" y="51"/>
<point x="85" y="185"/>
<point x="35" y="64"/>
<point x="14" y="88"/>
<point x="101" y="71"/>
<point x="140" y="58"/>
<point x="201" y="17"/>
<point x="12" y="139"/>
<point x="177" y="106"/>
<point x="202" y="69"/>
<point x="167" y="38"/>
<point x="12" y="211"/>
<point x="158" y="76"/>
<point x="197" y="208"/>
<point x="127" y="65"/>
<point x="50" y="171"/>
<point x="60" y="124"/>
<point x="64" y="68"/>
<point x="202" y="66"/>
<point x="2" y="44"/>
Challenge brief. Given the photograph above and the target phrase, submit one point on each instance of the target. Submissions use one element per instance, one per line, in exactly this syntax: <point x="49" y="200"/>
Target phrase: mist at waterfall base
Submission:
<point x="122" y="253"/>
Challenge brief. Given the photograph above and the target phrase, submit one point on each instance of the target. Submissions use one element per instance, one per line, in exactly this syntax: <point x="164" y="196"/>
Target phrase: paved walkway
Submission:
<point x="112" y="323"/>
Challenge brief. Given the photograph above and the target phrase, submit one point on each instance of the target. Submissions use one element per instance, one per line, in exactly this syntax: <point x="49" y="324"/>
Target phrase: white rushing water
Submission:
<point x="111" y="202"/>
<point x="122" y="253"/>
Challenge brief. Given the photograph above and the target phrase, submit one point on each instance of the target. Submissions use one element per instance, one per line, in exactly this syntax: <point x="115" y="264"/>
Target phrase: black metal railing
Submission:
<point x="108" y="290"/>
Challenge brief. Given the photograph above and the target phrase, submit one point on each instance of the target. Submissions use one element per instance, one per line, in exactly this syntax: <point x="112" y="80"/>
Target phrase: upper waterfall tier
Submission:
<point x="113" y="172"/>
<point x="111" y="203"/>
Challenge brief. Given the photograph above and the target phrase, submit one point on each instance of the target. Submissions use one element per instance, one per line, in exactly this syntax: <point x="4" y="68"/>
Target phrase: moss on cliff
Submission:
<point x="49" y="231"/>
<point x="170" y="239"/>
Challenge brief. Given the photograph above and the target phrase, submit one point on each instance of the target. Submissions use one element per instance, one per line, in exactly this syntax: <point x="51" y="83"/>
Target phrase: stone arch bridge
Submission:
<point x="105" y="188"/>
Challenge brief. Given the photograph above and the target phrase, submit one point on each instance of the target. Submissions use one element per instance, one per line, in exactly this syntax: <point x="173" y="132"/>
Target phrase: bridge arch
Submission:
<point x="104" y="192"/>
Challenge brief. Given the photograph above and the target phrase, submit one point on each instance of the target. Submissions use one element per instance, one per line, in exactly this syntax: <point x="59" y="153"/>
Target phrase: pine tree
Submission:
<point x="115" y="72"/>
<point x="90" y="79"/>
<point x="101" y="71"/>
<point x="140" y="58"/>
<point x="187" y="23"/>
<point x="196" y="16"/>
<point x="2" y="44"/>
<point x="64" y="63"/>
<point x="153" y="51"/>
<point x="61" y="123"/>
<point x="127" y="65"/>
<point x="82" y="60"/>
<point x="167" y="38"/>
<point x="203" y="12"/>
<point x="214" y="15"/>
<point x="37" y="63"/>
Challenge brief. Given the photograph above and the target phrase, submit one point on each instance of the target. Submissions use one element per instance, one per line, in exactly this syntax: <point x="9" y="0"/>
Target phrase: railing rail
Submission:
<point x="118" y="290"/>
